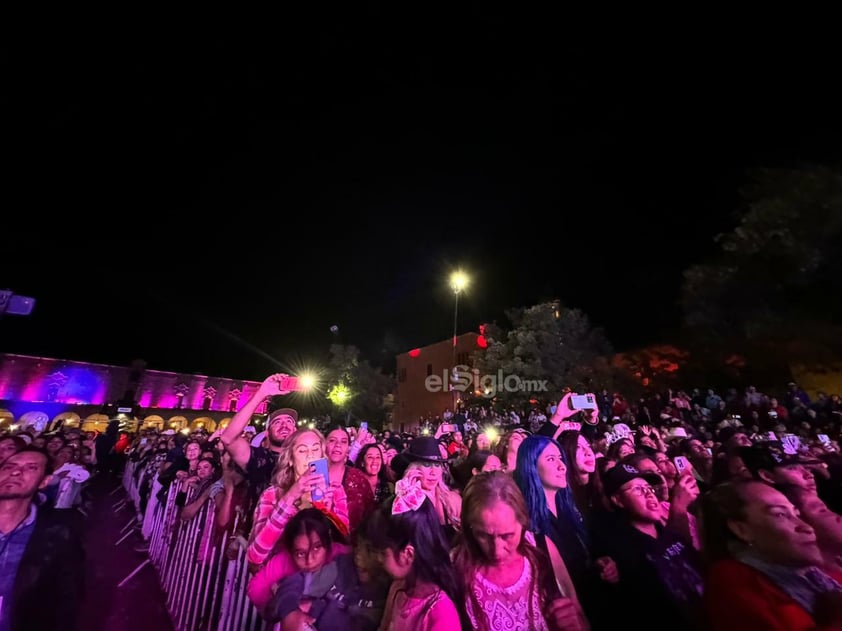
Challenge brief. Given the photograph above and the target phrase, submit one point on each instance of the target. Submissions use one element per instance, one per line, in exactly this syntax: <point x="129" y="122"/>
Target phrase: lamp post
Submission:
<point x="458" y="281"/>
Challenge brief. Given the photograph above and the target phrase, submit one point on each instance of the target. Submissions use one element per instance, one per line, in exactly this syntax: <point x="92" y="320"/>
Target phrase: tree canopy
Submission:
<point x="773" y="285"/>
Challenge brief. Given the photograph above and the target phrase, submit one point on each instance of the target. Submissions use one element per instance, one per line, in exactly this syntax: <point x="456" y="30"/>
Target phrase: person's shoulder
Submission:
<point x="443" y="611"/>
<point x="59" y="522"/>
<point x="355" y="474"/>
<point x="729" y="572"/>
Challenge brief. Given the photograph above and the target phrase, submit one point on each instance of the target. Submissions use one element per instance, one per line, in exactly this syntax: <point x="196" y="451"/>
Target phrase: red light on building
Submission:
<point x="482" y="342"/>
<point x="415" y="352"/>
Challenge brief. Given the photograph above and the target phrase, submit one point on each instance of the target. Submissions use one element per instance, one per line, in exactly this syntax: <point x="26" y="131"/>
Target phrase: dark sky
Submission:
<point x="209" y="202"/>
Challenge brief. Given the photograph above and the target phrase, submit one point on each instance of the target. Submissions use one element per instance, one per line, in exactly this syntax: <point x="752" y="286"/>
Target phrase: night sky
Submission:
<point x="221" y="201"/>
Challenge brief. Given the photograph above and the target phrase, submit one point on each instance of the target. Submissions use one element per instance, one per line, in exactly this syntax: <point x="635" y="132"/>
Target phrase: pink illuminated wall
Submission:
<point x="26" y="378"/>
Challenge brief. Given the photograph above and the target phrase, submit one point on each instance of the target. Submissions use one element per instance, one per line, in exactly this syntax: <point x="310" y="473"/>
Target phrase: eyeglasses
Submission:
<point x="641" y="491"/>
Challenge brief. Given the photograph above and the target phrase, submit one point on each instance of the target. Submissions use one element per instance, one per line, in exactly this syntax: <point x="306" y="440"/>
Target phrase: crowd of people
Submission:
<point x="679" y="510"/>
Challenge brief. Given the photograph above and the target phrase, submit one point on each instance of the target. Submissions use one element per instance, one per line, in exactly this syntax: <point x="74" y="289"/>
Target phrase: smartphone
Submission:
<point x="319" y="466"/>
<point x="791" y="443"/>
<point x="582" y="402"/>
<point x="824" y="439"/>
<point x="290" y="383"/>
<point x="364" y="425"/>
<point x="449" y="428"/>
<point x="681" y="463"/>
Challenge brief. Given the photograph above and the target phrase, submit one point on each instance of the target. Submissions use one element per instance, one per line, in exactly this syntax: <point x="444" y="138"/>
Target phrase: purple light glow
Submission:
<point x="198" y="398"/>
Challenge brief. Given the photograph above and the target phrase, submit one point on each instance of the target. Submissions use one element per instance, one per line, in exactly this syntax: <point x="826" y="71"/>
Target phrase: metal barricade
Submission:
<point x="204" y="588"/>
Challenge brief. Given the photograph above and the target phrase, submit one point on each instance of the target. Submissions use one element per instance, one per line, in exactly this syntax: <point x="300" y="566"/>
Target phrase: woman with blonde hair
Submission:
<point x="295" y="486"/>
<point x="507" y="580"/>
<point x="426" y="464"/>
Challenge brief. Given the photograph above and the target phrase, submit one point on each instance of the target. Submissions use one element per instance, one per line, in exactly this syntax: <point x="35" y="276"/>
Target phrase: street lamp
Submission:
<point x="458" y="281"/>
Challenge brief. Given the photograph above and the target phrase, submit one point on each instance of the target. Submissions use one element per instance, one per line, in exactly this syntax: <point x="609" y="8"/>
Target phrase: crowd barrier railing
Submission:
<point x="202" y="571"/>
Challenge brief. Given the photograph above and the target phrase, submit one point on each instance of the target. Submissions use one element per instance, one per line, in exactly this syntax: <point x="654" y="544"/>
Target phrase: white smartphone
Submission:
<point x="681" y="463"/>
<point x="582" y="402"/>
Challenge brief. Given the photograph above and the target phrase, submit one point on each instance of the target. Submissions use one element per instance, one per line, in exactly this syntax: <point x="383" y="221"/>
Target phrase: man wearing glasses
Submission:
<point x="658" y="570"/>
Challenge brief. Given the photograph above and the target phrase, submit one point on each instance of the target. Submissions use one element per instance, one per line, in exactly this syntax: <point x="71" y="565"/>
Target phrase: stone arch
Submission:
<point x="153" y="421"/>
<point x="203" y="422"/>
<point x="95" y="423"/>
<point x="177" y="423"/>
<point x="71" y="420"/>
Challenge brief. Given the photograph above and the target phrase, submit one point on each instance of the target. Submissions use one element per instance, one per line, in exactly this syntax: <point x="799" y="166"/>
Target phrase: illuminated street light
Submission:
<point x="307" y="381"/>
<point x="458" y="281"/>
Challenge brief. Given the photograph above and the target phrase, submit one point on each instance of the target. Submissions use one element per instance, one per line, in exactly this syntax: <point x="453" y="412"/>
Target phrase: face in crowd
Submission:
<point x="771" y="525"/>
<point x="495" y="516"/>
<point x="7" y="448"/>
<point x="639" y="500"/>
<point x="337" y="446"/>
<point x="280" y="428"/>
<point x="373" y="461"/>
<point x="307" y="447"/>
<point x="551" y="468"/>
<point x="22" y="475"/>
<point x="585" y="458"/>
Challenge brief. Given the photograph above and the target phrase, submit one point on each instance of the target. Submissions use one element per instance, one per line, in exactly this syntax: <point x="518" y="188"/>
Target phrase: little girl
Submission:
<point x="415" y="554"/>
<point x="314" y="579"/>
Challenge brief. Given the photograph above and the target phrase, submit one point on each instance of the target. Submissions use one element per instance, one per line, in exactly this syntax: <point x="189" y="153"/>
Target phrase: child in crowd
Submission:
<point x="314" y="579"/>
<point x="416" y="555"/>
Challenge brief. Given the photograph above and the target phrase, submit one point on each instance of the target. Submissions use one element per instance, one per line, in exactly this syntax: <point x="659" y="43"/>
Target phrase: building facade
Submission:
<point x="424" y="379"/>
<point x="33" y="389"/>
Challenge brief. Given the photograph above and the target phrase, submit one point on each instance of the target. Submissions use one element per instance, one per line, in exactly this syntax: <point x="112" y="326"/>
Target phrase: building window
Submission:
<point x="402" y="375"/>
<point x="232" y="405"/>
<point x="207" y="403"/>
<point x="429" y="369"/>
<point x="462" y="359"/>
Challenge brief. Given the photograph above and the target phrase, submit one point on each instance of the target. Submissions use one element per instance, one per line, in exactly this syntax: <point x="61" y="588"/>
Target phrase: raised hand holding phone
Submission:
<point x="274" y="384"/>
<point x="563" y="410"/>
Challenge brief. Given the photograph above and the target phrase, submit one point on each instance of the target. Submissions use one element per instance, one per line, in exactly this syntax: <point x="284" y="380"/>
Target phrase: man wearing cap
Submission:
<point x="770" y="463"/>
<point x="658" y="570"/>
<point x="258" y="462"/>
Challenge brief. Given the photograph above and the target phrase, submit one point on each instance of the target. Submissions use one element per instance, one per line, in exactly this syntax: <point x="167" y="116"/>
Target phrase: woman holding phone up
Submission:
<point x="294" y="486"/>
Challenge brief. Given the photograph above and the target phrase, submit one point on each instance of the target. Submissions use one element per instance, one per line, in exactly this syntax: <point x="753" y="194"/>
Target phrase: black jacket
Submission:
<point x="51" y="576"/>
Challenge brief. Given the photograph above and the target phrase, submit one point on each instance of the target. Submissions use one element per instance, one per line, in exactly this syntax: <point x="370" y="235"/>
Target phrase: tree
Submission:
<point x="771" y="290"/>
<point x="355" y="387"/>
<point x="546" y="342"/>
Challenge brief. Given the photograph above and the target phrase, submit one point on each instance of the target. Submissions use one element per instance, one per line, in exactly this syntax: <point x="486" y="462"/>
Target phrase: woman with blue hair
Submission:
<point x="541" y="475"/>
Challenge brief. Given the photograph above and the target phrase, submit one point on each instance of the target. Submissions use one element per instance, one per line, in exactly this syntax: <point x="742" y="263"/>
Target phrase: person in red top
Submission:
<point x="764" y="572"/>
<point x="122" y="443"/>
<point x="457" y="447"/>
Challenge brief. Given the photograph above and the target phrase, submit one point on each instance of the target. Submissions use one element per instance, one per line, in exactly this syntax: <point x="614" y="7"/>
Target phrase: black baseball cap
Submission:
<point x="768" y="456"/>
<point x="614" y="479"/>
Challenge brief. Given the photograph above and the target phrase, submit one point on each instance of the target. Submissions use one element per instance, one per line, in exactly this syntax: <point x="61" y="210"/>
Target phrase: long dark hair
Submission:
<point x="720" y="505"/>
<point x="583" y="494"/>
<point x="307" y="522"/>
<point x="527" y="479"/>
<point x="360" y="463"/>
<point x="421" y="529"/>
